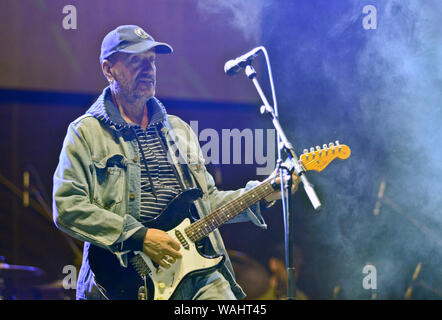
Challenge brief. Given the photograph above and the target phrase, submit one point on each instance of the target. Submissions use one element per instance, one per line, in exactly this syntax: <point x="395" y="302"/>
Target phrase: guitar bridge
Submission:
<point x="140" y="266"/>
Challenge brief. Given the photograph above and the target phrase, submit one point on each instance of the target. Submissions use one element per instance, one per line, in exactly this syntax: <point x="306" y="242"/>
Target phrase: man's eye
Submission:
<point x="134" y="60"/>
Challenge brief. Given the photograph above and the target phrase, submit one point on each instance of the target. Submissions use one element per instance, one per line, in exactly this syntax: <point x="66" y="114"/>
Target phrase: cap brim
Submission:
<point x="144" y="46"/>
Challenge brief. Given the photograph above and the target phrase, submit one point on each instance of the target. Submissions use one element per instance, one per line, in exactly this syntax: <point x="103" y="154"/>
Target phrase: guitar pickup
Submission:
<point x="182" y="240"/>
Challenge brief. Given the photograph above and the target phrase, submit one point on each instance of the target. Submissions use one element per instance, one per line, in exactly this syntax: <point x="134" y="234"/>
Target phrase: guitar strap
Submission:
<point x="178" y="161"/>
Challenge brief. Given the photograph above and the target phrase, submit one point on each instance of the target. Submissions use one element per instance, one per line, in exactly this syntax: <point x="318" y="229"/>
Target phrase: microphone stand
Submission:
<point x="286" y="196"/>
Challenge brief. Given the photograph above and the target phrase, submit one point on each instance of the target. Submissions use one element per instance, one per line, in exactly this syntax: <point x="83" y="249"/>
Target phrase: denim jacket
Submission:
<point x="96" y="191"/>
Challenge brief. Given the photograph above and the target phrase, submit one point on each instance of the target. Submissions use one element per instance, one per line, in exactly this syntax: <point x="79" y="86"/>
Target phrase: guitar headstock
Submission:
<point x="318" y="159"/>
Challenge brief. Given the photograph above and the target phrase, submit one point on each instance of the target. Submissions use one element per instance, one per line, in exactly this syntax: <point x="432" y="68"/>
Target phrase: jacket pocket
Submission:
<point x="198" y="171"/>
<point x="110" y="182"/>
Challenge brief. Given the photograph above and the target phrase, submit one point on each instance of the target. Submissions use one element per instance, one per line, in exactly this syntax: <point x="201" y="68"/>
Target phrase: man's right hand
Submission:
<point x="161" y="248"/>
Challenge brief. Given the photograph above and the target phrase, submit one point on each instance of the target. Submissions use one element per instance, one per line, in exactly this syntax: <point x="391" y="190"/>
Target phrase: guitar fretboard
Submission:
<point x="200" y="229"/>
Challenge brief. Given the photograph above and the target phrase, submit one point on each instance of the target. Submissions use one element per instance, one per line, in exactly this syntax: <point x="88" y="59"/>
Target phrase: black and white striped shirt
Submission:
<point x="165" y="183"/>
<point x="154" y="198"/>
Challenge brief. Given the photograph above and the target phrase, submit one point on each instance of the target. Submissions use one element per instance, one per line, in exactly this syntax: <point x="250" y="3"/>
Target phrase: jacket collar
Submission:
<point x="106" y="111"/>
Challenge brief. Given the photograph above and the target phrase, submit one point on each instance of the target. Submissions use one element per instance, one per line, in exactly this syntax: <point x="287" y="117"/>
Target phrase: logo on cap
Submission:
<point x="141" y="33"/>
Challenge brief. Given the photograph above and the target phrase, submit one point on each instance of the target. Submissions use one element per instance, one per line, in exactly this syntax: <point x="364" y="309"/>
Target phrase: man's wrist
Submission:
<point x="135" y="242"/>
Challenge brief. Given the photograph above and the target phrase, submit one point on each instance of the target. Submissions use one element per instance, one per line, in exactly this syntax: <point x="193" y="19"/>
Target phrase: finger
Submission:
<point x="170" y="259"/>
<point x="163" y="263"/>
<point x="174" y="254"/>
<point x="174" y="244"/>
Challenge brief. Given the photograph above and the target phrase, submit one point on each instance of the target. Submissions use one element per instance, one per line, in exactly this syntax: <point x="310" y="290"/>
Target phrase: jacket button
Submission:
<point x="132" y="196"/>
<point x="135" y="159"/>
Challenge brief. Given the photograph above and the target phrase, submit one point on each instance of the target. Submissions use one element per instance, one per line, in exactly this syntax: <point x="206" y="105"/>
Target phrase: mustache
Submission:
<point x="145" y="75"/>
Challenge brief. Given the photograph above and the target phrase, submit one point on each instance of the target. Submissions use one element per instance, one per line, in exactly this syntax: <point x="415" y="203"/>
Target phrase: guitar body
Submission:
<point x="123" y="283"/>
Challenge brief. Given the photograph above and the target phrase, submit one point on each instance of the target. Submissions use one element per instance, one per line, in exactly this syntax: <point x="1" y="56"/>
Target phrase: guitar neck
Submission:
<point x="203" y="227"/>
<point x="317" y="159"/>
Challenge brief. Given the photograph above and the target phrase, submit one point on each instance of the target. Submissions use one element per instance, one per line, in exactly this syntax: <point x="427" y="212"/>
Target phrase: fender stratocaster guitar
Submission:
<point x="144" y="277"/>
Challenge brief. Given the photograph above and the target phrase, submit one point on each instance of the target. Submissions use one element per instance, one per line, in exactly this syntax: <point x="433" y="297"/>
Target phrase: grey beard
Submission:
<point x="128" y="94"/>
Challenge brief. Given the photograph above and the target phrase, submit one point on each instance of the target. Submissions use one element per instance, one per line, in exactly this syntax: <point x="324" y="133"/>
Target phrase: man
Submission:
<point x="124" y="160"/>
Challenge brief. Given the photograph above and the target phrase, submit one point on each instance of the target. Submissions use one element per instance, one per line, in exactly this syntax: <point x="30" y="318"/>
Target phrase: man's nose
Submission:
<point x="147" y="64"/>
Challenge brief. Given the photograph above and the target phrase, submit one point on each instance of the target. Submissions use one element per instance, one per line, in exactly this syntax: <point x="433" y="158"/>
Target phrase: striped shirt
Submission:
<point x="165" y="183"/>
<point x="162" y="185"/>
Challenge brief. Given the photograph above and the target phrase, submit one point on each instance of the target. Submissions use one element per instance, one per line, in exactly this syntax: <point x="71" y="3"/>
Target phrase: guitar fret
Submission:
<point x="200" y="229"/>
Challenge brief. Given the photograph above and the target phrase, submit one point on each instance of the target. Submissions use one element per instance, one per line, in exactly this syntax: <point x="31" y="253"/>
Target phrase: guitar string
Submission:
<point x="238" y="204"/>
<point x="200" y="232"/>
<point x="204" y="226"/>
<point x="201" y="228"/>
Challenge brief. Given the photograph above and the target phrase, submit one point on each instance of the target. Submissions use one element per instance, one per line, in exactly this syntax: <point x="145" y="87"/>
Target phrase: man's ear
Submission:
<point x="106" y="66"/>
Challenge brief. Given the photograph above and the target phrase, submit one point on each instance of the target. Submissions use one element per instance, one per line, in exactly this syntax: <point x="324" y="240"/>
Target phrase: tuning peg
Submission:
<point x="338" y="145"/>
<point x="318" y="148"/>
<point x="324" y="147"/>
<point x="305" y="151"/>
<point x="312" y="149"/>
<point x="331" y="144"/>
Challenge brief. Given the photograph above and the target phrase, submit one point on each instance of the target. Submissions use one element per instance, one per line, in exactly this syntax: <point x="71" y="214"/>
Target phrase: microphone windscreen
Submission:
<point x="231" y="67"/>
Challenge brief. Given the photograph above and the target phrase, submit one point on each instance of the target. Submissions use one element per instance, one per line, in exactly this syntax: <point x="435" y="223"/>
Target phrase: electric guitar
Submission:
<point x="144" y="278"/>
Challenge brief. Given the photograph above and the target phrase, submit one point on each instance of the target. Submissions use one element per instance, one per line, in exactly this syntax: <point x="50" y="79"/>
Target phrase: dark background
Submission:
<point x="377" y="91"/>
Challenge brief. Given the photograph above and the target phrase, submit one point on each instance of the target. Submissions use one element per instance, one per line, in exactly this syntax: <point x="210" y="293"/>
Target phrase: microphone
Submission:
<point x="234" y="66"/>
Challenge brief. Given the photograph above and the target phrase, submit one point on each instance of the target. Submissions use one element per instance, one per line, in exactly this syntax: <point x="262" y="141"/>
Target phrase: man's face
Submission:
<point x="134" y="74"/>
